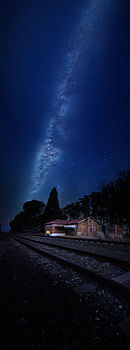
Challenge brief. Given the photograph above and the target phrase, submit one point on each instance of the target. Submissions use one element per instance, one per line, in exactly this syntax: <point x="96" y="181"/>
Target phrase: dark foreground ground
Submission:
<point x="37" y="314"/>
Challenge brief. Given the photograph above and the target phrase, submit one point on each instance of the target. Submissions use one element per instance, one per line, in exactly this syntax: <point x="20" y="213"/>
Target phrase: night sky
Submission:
<point x="65" y="98"/>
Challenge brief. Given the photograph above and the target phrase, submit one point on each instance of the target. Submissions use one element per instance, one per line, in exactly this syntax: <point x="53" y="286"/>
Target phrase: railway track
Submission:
<point x="111" y="275"/>
<point x="101" y="252"/>
<point x="97" y="240"/>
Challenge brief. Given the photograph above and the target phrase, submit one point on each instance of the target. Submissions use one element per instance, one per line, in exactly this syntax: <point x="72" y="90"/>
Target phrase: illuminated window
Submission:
<point x="48" y="232"/>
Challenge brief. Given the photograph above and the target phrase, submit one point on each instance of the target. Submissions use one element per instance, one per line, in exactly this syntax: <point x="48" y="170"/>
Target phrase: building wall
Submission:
<point x="70" y="232"/>
<point x="82" y="228"/>
<point x="58" y="230"/>
<point x="53" y="229"/>
<point x="92" y="227"/>
<point x="88" y="227"/>
<point x="115" y="232"/>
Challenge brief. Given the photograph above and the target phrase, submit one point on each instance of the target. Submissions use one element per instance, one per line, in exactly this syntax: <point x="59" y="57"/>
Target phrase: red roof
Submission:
<point x="57" y="221"/>
<point x="65" y="222"/>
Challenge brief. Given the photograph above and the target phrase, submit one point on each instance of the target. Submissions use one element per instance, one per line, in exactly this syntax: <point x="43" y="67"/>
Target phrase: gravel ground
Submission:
<point x="40" y="309"/>
<point x="119" y="252"/>
<point x="104" y="268"/>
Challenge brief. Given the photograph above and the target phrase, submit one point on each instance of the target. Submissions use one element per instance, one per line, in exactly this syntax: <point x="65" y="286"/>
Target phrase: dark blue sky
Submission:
<point x="65" y="98"/>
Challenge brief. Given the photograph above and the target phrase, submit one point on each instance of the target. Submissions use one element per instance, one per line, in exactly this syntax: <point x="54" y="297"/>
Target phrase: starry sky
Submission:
<point x="65" y="98"/>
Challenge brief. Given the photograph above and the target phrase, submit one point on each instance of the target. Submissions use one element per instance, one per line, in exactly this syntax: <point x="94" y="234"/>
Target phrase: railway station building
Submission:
<point x="78" y="227"/>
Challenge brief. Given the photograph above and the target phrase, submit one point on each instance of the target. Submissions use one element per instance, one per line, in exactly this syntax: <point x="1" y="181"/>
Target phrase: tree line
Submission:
<point x="111" y="204"/>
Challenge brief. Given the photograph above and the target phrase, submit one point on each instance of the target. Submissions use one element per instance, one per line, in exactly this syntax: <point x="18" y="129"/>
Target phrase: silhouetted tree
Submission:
<point x="111" y="204"/>
<point x="85" y="205"/>
<point x="20" y="223"/>
<point x="71" y="211"/>
<point x="52" y="210"/>
<point x="33" y="207"/>
<point x="115" y="200"/>
<point x="96" y="204"/>
<point x="28" y="219"/>
<point x="123" y="194"/>
<point x="33" y="210"/>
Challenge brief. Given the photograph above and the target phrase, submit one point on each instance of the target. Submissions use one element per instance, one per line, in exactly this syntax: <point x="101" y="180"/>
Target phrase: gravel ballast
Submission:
<point x="40" y="308"/>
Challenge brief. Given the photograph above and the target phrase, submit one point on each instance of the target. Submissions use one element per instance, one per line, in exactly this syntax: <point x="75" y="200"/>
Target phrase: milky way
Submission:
<point x="88" y="31"/>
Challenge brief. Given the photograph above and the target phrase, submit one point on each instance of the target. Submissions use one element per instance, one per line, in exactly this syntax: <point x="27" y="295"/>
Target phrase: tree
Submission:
<point x="33" y="208"/>
<point x="52" y="210"/>
<point x="71" y="211"/>
<point x="85" y="205"/>
<point x="122" y="197"/>
<point x="115" y="200"/>
<point x="96" y="204"/>
<point x="19" y="223"/>
<point x="29" y="218"/>
<point x="110" y="204"/>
